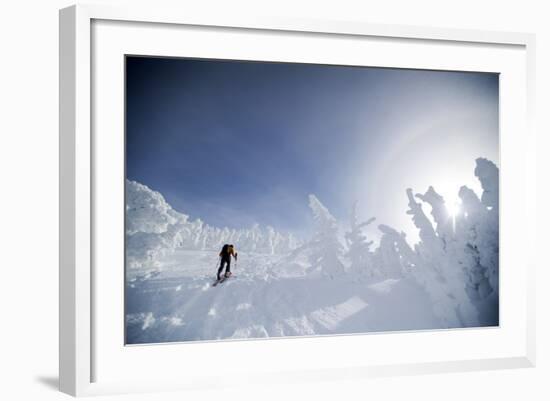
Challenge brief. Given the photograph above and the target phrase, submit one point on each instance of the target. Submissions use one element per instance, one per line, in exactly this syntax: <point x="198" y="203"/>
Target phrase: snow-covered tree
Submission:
<point x="359" y="253"/>
<point x="470" y="245"/>
<point x="435" y="265"/>
<point x="325" y="248"/>
<point x="394" y="257"/>
<point x="477" y="239"/>
<point x="147" y="211"/>
<point x="440" y="213"/>
<point x="456" y="260"/>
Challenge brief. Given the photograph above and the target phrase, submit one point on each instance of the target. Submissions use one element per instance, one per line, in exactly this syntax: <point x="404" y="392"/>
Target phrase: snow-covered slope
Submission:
<point x="322" y="285"/>
<point x="264" y="299"/>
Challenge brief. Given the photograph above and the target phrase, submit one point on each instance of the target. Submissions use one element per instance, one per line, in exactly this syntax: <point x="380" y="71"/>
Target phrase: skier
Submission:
<point x="225" y="255"/>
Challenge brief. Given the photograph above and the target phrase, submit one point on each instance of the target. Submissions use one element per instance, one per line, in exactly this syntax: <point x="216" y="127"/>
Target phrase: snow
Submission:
<point x="330" y="317"/>
<point x="331" y="283"/>
<point x="254" y="304"/>
<point x="384" y="287"/>
<point x="243" y="306"/>
<point x="154" y="229"/>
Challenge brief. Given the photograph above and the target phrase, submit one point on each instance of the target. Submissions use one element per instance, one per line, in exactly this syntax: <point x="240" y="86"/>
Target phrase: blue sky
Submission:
<point x="237" y="143"/>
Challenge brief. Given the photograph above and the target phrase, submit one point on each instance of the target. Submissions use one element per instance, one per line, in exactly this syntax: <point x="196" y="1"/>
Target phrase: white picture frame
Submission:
<point x="82" y="158"/>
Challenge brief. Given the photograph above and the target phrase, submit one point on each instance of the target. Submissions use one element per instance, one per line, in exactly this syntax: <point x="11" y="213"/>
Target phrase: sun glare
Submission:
<point x="453" y="208"/>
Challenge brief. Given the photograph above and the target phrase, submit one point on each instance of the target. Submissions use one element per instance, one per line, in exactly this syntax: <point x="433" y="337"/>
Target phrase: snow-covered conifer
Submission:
<point x="325" y="247"/>
<point x="359" y="253"/>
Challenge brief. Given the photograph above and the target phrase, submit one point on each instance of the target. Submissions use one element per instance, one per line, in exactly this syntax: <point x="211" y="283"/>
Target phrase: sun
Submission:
<point x="453" y="208"/>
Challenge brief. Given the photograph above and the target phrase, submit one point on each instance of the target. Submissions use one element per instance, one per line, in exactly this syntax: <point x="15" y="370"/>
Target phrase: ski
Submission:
<point x="221" y="280"/>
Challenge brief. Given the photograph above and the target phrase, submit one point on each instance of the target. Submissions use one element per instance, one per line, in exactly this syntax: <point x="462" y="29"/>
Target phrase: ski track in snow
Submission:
<point x="330" y="317"/>
<point x="265" y="298"/>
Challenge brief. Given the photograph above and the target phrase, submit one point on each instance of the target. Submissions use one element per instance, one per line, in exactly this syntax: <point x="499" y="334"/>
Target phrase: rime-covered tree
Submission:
<point x="440" y="213"/>
<point x="359" y="253"/>
<point x="394" y="257"/>
<point x="436" y="265"/>
<point x="454" y="272"/>
<point x="325" y="248"/>
<point x="470" y="246"/>
<point x="477" y="239"/>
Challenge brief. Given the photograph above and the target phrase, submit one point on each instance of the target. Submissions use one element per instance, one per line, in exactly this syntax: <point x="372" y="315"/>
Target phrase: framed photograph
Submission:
<point x="296" y="200"/>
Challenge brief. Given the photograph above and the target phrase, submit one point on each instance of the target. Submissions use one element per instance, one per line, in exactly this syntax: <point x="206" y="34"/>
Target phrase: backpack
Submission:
<point x="225" y="249"/>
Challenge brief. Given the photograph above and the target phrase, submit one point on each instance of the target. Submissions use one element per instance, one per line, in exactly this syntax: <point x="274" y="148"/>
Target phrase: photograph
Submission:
<point x="268" y="199"/>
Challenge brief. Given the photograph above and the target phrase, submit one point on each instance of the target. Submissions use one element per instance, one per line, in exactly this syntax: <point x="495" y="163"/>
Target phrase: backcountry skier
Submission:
<point x="225" y="259"/>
